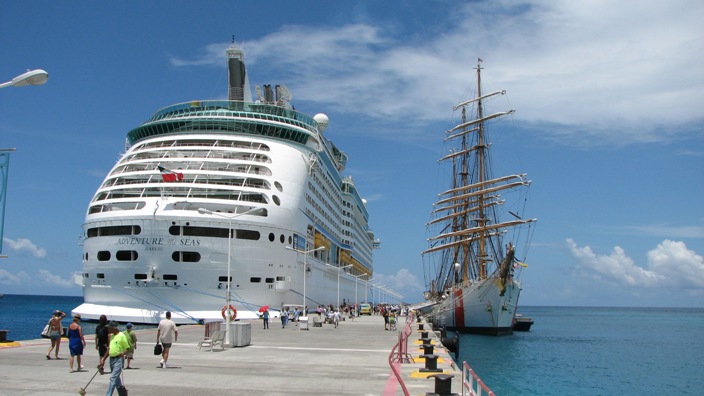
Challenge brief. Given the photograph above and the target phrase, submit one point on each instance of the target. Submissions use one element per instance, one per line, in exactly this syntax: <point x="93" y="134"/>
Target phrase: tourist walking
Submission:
<point x="55" y="331"/>
<point x="166" y="334"/>
<point x="336" y="317"/>
<point x="76" y="343"/>
<point x="284" y="318"/>
<point x="117" y="348"/>
<point x="132" y="339"/>
<point x="101" y="336"/>
<point x="265" y="316"/>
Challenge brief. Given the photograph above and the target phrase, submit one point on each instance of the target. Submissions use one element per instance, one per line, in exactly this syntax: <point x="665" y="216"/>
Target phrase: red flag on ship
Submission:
<point x="169" y="175"/>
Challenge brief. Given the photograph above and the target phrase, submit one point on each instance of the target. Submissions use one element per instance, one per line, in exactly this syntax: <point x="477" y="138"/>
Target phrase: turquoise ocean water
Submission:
<point x="569" y="350"/>
<point x="594" y="351"/>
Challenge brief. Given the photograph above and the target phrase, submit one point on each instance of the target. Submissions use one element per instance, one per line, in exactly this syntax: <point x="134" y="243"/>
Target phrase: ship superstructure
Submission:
<point x="156" y="234"/>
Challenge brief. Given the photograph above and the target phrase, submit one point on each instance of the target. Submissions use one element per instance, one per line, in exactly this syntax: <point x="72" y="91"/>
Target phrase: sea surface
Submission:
<point x="25" y="316"/>
<point x="569" y="350"/>
<point x="594" y="351"/>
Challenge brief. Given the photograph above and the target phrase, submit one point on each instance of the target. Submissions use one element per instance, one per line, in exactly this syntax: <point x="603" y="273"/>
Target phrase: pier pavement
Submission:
<point x="352" y="359"/>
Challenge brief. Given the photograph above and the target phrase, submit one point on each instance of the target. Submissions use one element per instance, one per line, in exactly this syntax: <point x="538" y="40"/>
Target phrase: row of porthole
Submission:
<point x="178" y="256"/>
<point x="131" y="255"/>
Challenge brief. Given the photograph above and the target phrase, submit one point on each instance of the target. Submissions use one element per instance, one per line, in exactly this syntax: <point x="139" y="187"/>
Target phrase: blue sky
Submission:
<point x="608" y="122"/>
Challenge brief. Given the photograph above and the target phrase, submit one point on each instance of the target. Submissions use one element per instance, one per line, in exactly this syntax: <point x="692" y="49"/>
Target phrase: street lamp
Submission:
<point x="305" y="268"/>
<point x="356" y="278"/>
<point x="30" y="77"/>
<point x="339" y="270"/>
<point x="228" y="342"/>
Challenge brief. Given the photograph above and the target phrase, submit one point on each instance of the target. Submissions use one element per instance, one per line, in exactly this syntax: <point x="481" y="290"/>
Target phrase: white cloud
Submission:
<point x="670" y="264"/>
<point x="8" y="278"/>
<point x="403" y="282"/>
<point x="587" y="71"/>
<point x="55" y="280"/>
<point x="24" y="245"/>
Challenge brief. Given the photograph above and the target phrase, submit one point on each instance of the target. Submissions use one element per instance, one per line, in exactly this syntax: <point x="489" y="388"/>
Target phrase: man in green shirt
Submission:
<point x="117" y="349"/>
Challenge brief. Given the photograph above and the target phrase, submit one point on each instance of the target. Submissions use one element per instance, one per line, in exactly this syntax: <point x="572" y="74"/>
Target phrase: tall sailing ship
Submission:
<point x="471" y="262"/>
<point x="235" y="196"/>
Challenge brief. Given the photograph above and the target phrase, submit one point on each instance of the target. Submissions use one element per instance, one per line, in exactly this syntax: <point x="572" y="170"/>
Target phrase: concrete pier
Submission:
<point x="352" y="359"/>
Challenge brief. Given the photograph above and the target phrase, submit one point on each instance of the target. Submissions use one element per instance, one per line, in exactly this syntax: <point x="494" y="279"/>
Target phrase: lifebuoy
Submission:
<point x="224" y="309"/>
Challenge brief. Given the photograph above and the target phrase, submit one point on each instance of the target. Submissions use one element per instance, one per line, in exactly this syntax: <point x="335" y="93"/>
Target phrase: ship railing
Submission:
<point x="472" y="385"/>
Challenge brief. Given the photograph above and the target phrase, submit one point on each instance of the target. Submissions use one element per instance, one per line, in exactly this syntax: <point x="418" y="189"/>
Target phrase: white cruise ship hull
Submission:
<point x="244" y="194"/>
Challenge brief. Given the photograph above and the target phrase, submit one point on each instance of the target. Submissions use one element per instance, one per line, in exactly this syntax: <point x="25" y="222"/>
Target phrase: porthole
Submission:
<point x="272" y="237"/>
<point x="282" y="238"/>
<point x="126" y="255"/>
<point x="103" y="255"/>
<point x="186" y="257"/>
<point x="278" y="186"/>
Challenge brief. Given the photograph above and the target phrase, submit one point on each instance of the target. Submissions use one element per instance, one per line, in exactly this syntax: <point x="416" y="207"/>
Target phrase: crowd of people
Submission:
<point x="114" y="347"/>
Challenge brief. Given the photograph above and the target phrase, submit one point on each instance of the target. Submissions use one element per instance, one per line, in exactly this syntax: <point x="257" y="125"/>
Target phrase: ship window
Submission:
<point x="114" y="230"/>
<point x="186" y="257"/>
<point x="100" y="276"/>
<point x="277" y="201"/>
<point x="255" y="279"/>
<point x="282" y="238"/>
<point x="280" y="278"/>
<point x="126" y="255"/>
<point x="248" y="234"/>
<point x="140" y="276"/>
<point x="269" y="280"/>
<point x="205" y="232"/>
<point x="170" y="277"/>
<point x="278" y="186"/>
<point x="199" y="231"/>
<point x="224" y="279"/>
<point x="103" y="255"/>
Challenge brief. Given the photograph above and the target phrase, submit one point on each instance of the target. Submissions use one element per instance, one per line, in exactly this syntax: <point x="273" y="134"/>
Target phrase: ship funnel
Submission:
<point x="238" y="84"/>
<point x="268" y="94"/>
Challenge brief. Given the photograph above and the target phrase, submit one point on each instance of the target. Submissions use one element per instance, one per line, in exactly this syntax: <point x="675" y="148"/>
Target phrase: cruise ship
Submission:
<point x="244" y="195"/>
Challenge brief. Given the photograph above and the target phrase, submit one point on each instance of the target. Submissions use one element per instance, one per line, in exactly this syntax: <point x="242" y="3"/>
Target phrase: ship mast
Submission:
<point x="481" y="163"/>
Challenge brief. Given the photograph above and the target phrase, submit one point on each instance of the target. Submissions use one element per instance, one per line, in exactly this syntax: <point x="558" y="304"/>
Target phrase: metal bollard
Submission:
<point x="423" y="334"/>
<point x="443" y="385"/>
<point x="424" y="340"/>
<point x="431" y="364"/>
<point x="428" y="349"/>
<point x="420" y="326"/>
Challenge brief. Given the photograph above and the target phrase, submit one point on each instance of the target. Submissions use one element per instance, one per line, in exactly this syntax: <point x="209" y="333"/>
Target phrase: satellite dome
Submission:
<point x="322" y="121"/>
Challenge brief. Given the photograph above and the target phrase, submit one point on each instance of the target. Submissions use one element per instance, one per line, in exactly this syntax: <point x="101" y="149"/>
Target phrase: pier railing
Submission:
<point x="472" y="385"/>
<point x="399" y="353"/>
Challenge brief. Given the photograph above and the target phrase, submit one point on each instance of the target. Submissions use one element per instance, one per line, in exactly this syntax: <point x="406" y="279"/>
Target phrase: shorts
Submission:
<point x="55" y="335"/>
<point x="166" y="345"/>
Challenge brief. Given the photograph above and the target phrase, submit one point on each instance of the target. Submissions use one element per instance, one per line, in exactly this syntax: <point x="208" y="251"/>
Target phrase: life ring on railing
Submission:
<point x="225" y="309"/>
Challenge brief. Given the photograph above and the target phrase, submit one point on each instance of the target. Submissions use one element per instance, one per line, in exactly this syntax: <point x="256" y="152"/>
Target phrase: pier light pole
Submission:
<point x="339" y="270"/>
<point x="30" y="77"/>
<point x="228" y="298"/>
<point x="305" y="268"/>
